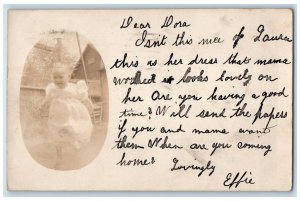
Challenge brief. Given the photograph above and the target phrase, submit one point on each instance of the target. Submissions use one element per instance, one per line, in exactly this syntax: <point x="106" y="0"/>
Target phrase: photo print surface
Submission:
<point x="63" y="101"/>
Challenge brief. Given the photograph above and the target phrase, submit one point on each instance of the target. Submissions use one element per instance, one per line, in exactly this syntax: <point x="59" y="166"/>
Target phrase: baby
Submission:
<point x="69" y="121"/>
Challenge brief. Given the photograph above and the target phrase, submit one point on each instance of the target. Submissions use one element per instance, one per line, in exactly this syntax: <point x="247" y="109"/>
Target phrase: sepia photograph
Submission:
<point x="64" y="101"/>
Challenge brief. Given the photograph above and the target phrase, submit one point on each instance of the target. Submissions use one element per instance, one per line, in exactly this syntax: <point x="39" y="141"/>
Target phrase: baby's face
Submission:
<point x="60" y="79"/>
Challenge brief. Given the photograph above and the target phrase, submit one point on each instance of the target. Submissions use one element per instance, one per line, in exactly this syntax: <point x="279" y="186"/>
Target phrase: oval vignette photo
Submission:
<point x="64" y="101"/>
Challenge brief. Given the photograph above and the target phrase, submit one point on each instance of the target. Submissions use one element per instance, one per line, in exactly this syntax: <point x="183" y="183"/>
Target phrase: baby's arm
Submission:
<point x="46" y="101"/>
<point x="82" y="91"/>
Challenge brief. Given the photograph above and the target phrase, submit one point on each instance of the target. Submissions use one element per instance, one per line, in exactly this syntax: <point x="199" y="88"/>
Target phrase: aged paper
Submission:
<point x="150" y="100"/>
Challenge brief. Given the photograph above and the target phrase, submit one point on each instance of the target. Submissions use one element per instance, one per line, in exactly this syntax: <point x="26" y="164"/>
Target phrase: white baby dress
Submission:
<point x="69" y="120"/>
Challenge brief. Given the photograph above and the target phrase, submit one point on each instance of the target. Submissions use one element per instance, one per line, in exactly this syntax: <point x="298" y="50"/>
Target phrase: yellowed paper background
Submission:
<point x="272" y="172"/>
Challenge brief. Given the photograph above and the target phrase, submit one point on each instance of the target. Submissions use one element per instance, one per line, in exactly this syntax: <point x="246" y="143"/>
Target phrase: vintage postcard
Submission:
<point x="150" y="100"/>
